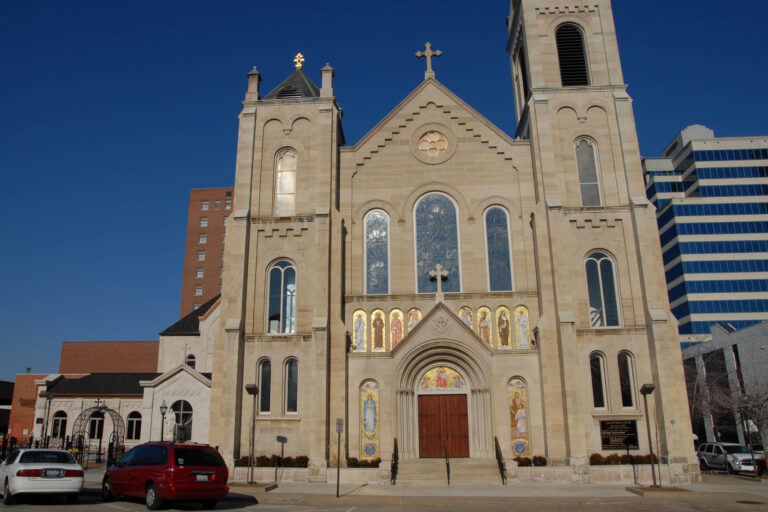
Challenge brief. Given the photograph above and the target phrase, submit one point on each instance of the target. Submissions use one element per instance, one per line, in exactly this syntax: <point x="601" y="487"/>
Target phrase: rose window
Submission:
<point x="433" y="144"/>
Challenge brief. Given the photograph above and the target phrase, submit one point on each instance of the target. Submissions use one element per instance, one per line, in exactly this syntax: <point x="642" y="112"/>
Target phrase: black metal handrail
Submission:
<point x="500" y="462"/>
<point x="395" y="460"/>
<point x="447" y="461"/>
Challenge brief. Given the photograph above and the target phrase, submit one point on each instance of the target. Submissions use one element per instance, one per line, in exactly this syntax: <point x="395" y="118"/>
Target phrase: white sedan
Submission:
<point x="40" y="471"/>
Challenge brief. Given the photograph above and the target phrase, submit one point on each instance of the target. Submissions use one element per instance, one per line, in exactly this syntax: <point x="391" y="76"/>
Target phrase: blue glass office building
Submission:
<point x="711" y="196"/>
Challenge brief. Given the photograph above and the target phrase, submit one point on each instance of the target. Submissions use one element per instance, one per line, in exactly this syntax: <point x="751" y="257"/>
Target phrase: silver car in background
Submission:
<point x="40" y="471"/>
<point x="730" y="457"/>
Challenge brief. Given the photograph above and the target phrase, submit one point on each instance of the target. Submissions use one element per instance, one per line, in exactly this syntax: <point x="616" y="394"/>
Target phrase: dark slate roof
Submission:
<point x="104" y="384"/>
<point x="190" y="324"/>
<point x="296" y="86"/>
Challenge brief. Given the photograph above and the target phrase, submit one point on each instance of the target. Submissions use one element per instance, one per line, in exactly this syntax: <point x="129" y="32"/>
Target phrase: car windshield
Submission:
<point x="198" y="457"/>
<point x="42" y="457"/>
<point x="736" y="448"/>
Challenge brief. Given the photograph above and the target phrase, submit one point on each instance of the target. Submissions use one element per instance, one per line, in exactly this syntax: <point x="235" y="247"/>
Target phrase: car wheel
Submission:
<point x="7" y="496"/>
<point x="152" y="499"/>
<point x="729" y="469"/>
<point x="106" y="490"/>
<point x="209" y="504"/>
<point x="72" y="498"/>
<point x="703" y="464"/>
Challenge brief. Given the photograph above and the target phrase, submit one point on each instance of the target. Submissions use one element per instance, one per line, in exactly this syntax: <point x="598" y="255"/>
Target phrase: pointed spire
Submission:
<point x="254" y="83"/>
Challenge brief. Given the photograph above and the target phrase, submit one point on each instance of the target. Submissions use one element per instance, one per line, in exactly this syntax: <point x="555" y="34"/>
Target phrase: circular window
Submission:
<point x="433" y="144"/>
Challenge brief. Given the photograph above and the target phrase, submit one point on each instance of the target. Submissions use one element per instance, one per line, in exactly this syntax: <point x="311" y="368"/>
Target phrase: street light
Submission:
<point x="252" y="390"/>
<point x="646" y="390"/>
<point x="163" y="410"/>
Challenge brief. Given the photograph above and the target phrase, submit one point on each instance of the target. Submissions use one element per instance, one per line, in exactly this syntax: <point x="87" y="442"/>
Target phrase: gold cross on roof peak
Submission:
<point x="298" y="60"/>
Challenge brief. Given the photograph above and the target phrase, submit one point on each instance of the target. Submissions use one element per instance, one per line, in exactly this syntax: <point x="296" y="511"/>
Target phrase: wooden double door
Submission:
<point x="443" y="425"/>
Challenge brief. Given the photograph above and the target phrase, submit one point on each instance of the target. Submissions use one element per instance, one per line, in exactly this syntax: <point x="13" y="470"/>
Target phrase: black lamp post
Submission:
<point x="252" y="390"/>
<point x="163" y="410"/>
<point x="646" y="390"/>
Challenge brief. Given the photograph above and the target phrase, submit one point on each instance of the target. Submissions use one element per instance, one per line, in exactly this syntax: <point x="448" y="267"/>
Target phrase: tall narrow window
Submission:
<point x="586" y="161"/>
<point x="291" y="386"/>
<point x="601" y="288"/>
<point x="571" y="52"/>
<point x="265" y="385"/>
<point x="626" y="380"/>
<point x="285" y="183"/>
<point x="597" y="371"/>
<point x="282" y="298"/>
<point x="134" y="426"/>
<point x="497" y="241"/>
<point x="377" y="252"/>
<point x="59" y="429"/>
<point x="182" y="420"/>
<point x="437" y="243"/>
<point x="96" y="425"/>
<point x="190" y="361"/>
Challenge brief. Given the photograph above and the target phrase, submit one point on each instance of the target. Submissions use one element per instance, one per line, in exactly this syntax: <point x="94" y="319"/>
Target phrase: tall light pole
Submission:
<point x="163" y="410"/>
<point x="252" y="390"/>
<point x="646" y="390"/>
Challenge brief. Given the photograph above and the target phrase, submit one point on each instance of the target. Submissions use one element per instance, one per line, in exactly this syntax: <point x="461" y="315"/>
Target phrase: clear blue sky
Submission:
<point x="112" y="111"/>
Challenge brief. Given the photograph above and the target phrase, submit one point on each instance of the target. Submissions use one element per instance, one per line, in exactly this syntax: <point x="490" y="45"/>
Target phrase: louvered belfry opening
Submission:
<point x="289" y="93"/>
<point x="572" y="55"/>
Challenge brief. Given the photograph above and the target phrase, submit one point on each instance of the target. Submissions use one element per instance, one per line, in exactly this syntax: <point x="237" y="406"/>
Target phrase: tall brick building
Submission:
<point x="204" y="250"/>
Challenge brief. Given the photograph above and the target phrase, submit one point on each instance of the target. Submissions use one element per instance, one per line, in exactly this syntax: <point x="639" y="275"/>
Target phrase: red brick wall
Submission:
<point x="213" y="246"/>
<point x="108" y="356"/>
<point x="23" y="406"/>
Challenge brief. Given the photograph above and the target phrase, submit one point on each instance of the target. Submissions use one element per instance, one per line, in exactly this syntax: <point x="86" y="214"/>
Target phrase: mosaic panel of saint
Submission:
<point x="369" y="420"/>
<point x="414" y="317"/>
<point x="503" y="328"/>
<point x="485" y="325"/>
<point x="378" y="331"/>
<point x="518" y="414"/>
<point x="465" y="314"/>
<point x="359" y="340"/>
<point x="437" y="242"/>
<point x="395" y="327"/>
<point x="522" y="327"/>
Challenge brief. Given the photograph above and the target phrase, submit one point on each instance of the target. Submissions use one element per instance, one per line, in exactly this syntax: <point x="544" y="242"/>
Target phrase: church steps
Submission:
<point x="463" y="471"/>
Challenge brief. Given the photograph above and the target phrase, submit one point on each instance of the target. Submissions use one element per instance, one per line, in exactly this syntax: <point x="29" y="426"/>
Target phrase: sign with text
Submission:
<point x="339" y="425"/>
<point x="619" y="434"/>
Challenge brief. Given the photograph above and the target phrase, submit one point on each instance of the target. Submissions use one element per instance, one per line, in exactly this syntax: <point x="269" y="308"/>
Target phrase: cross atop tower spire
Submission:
<point x="428" y="53"/>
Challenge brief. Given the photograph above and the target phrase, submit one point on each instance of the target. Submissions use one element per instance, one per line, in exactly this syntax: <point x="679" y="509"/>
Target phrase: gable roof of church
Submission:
<point x="103" y="384"/>
<point x="189" y="325"/>
<point x="298" y="85"/>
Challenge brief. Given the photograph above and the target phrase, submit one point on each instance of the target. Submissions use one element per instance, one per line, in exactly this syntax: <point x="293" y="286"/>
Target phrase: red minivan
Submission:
<point x="159" y="472"/>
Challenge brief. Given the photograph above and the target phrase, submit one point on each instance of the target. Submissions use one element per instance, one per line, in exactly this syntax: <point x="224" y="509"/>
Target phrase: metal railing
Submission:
<point x="500" y="462"/>
<point x="395" y="461"/>
<point x="447" y="461"/>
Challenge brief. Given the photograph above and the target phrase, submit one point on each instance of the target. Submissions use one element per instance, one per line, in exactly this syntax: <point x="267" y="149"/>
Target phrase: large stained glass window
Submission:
<point x="601" y="287"/>
<point x="376" y="252"/>
<point x="499" y="261"/>
<point x="437" y="242"/>
<point x="282" y="298"/>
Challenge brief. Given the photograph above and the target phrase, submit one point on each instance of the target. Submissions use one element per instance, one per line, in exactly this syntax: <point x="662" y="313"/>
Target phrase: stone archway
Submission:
<point x="469" y="361"/>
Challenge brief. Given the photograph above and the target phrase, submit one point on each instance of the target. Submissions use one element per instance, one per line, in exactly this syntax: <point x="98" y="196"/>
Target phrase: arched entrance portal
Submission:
<point x="432" y="418"/>
<point x="443" y="420"/>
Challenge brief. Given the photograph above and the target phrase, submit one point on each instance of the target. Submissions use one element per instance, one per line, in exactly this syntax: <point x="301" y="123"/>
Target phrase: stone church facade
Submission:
<point x="442" y="286"/>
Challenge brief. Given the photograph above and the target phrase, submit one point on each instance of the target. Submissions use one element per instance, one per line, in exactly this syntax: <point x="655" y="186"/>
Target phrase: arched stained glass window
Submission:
<point x="626" y="379"/>
<point x="282" y="298"/>
<point x="586" y="161"/>
<point x="285" y="183"/>
<point x="572" y="55"/>
<point x="601" y="288"/>
<point x="597" y="371"/>
<point x="497" y="241"/>
<point x="265" y="385"/>
<point x="437" y="242"/>
<point x="376" y="252"/>
<point x="292" y="386"/>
